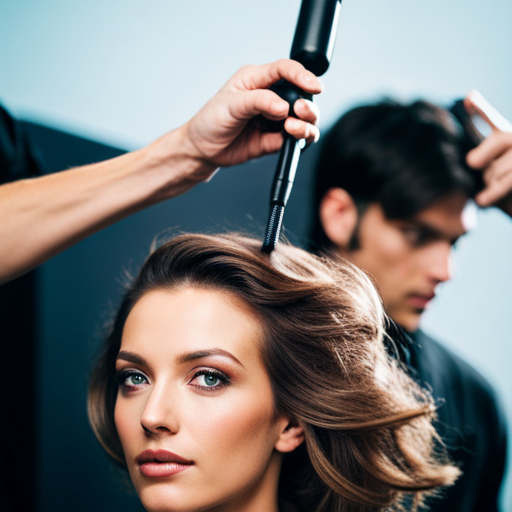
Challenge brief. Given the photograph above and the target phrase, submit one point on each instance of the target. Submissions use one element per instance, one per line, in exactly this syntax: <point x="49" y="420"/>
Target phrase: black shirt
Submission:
<point x="18" y="332"/>
<point x="470" y="421"/>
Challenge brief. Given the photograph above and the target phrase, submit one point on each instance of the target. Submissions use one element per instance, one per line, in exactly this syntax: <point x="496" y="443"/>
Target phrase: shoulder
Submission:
<point x="440" y="364"/>
<point x="470" y="420"/>
<point x="455" y="380"/>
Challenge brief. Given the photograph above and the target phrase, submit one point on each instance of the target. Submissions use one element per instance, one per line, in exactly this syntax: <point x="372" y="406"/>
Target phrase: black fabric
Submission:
<point x="18" y="312"/>
<point x="470" y="421"/>
<point x="18" y="158"/>
<point x="28" y="150"/>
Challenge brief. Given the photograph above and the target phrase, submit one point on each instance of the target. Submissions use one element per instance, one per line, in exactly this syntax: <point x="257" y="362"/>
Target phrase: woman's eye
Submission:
<point x="135" y="379"/>
<point x="208" y="379"/>
<point x="131" y="379"/>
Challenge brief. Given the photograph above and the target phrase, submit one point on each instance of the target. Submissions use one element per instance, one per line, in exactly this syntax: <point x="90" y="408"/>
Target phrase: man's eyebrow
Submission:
<point x="199" y="354"/>
<point x="132" y="358"/>
<point x="435" y="231"/>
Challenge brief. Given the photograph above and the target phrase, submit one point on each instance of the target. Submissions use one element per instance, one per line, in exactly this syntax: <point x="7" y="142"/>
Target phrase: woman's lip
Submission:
<point x="162" y="469"/>
<point x="161" y="456"/>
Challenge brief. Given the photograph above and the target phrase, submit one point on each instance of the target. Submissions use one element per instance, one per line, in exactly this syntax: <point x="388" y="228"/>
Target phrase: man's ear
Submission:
<point x="291" y="436"/>
<point x="338" y="214"/>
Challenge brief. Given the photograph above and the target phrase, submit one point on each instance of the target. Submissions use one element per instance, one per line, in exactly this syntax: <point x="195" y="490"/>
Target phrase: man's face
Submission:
<point x="409" y="258"/>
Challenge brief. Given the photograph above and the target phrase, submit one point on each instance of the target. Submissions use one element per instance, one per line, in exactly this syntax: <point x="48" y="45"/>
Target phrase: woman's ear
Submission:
<point x="290" y="438"/>
<point x="338" y="214"/>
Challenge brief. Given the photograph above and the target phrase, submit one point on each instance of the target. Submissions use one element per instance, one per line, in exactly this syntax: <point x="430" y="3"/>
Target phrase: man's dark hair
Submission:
<point x="404" y="157"/>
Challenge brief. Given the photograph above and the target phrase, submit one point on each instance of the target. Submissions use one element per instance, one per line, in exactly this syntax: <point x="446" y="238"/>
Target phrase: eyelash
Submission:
<point x="123" y="375"/>
<point x="223" y="378"/>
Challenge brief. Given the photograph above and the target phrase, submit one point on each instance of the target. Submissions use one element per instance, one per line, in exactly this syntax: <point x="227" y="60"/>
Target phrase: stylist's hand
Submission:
<point x="44" y="216"/>
<point x="493" y="156"/>
<point x="224" y="132"/>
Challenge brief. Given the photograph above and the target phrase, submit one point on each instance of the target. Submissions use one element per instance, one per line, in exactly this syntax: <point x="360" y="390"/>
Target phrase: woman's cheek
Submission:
<point x="234" y="421"/>
<point x="127" y="420"/>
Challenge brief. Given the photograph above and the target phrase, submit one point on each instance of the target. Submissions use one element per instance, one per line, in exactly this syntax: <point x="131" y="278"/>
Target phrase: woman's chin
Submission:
<point x="163" y="498"/>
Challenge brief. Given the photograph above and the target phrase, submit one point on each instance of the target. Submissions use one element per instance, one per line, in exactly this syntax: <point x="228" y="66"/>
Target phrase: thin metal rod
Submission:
<point x="281" y="189"/>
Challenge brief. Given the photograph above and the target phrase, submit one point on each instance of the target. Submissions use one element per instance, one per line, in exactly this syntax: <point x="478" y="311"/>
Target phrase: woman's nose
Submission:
<point x="160" y="412"/>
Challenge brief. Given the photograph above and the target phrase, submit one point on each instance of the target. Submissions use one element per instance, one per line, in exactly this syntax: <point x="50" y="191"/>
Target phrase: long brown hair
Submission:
<point x="369" y="440"/>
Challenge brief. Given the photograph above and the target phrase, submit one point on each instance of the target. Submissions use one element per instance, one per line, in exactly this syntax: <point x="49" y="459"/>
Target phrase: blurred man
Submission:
<point x="392" y="189"/>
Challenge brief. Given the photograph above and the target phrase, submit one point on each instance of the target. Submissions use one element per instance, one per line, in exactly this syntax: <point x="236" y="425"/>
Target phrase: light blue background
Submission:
<point x="124" y="72"/>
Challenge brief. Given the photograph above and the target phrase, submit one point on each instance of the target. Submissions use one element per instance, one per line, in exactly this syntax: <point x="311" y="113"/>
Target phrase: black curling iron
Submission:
<point x="312" y="46"/>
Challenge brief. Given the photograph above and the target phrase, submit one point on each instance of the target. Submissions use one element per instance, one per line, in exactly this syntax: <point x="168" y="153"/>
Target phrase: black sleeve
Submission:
<point x="18" y="159"/>
<point x="18" y="335"/>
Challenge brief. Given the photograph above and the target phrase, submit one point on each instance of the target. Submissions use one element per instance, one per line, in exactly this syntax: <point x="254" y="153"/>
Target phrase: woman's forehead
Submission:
<point x="169" y="324"/>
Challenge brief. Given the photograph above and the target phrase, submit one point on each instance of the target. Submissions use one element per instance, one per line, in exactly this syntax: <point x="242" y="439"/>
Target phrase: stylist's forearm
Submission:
<point x="43" y="216"/>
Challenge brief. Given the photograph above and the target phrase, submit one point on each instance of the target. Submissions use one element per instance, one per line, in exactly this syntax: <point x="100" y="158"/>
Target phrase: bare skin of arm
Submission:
<point x="42" y="217"/>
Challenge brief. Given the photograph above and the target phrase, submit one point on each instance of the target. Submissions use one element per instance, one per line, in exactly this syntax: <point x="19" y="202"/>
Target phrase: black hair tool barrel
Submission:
<point x="312" y="46"/>
<point x="281" y="189"/>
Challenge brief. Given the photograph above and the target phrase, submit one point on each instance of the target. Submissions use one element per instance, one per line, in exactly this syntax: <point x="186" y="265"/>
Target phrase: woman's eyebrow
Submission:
<point x="199" y="354"/>
<point x="131" y="357"/>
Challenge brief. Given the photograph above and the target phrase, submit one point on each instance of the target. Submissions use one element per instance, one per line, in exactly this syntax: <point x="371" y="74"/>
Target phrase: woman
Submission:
<point x="237" y="381"/>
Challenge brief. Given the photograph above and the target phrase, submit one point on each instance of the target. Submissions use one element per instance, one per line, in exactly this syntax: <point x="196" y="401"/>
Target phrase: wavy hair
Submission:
<point x="369" y="440"/>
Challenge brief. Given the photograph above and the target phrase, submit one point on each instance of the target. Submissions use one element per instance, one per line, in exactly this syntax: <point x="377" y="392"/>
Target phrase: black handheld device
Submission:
<point x="312" y="46"/>
<point x="477" y="119"/>
<point x="471" y="136"/>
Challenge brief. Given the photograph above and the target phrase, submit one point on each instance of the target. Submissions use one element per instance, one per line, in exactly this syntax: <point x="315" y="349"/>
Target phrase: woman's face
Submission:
<point x="194" y="409"/>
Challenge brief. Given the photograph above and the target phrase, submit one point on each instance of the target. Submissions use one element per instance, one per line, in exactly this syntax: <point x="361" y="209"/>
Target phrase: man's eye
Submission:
<point x="415" y="236"/>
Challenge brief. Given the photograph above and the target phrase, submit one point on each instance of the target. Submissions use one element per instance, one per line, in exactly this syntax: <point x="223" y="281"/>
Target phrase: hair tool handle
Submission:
<point x="312" y="46"/>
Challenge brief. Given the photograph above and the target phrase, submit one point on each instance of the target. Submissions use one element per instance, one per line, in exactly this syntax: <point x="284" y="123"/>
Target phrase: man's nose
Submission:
<point x="439" y="262"/>
<point x="160" y="414"/>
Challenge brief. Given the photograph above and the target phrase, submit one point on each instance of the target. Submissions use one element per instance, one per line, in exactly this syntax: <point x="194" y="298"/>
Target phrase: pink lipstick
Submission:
<point x="161" y="463"/>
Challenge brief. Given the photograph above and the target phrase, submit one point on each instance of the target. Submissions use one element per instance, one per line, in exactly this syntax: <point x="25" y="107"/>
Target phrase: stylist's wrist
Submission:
<point x="177" y="163"/>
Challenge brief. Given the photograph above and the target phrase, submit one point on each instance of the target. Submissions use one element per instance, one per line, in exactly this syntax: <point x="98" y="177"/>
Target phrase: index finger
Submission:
<point x="262" y="77"/>
<point x="476" y="103"/>
<point x="489" y="150"/>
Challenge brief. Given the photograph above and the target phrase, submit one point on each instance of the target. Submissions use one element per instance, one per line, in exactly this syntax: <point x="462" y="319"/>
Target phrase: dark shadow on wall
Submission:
<point x="79" y="287"/>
